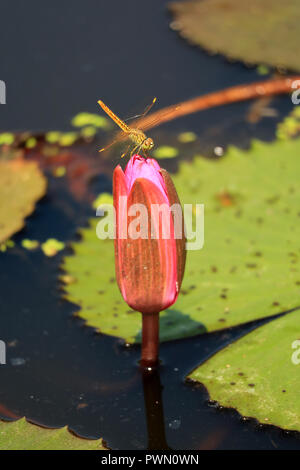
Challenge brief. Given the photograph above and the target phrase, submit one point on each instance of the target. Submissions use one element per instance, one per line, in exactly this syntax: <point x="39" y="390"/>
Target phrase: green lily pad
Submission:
<point x="52" y="246"/>
<point x="259" y="32"/>
<point x="88" y="119"/>
<point x="249" y="266"/>
<point x="290" y="126"/>
<point x="187" y="137"/>
<point x="165" y="152"/>
<point x="7" y="138"/>
<point x="22" y="435"/>
<point x="30" y="244"/>
<point x="21" y="185"/>
<point x="259" y="374"/>
<point x="103" y="198"/>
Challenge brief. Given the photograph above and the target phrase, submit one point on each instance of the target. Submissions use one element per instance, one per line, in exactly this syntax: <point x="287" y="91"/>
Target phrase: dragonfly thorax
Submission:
<point x="139" y="138"/>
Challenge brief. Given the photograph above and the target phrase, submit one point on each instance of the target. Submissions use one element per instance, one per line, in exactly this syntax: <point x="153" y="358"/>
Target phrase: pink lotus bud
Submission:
<point x="149" y="267"/>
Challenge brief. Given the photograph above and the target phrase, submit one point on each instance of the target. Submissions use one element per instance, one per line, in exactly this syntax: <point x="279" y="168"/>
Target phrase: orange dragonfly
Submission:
<point x="136" y="136"/>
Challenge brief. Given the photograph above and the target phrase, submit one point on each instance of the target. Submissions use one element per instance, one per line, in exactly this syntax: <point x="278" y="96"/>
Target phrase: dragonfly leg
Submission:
<point x="144" y="151"/>
<point x="133" y="150"/>
<point x="126" y="151"/>
<point x="146" y="111"/>
<point x="140" y="148"/>
<point x="149" y="107"/>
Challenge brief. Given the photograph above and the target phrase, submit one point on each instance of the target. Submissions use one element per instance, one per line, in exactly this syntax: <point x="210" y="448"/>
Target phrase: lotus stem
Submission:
<point x="150" y="340"/>
<point x="259" y="89"/>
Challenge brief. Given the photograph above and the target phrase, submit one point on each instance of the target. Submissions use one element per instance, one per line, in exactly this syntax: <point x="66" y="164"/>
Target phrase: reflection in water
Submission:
<point x="213" y="440"/>
<point x="154" y="410"/>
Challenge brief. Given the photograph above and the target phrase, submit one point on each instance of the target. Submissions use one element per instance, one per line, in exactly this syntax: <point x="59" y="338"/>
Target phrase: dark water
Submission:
<point x="57" y="62"/>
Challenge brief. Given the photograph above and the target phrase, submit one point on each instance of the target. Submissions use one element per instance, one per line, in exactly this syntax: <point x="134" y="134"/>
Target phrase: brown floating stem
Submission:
<point x="275" y="86"/>
<point x="234" y="94"/>
<point x="150" y="339"/>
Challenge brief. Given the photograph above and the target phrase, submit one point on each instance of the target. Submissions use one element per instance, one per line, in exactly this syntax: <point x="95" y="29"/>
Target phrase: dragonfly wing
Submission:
<point x="119" y="137"/>
<point x="149" y="122"/>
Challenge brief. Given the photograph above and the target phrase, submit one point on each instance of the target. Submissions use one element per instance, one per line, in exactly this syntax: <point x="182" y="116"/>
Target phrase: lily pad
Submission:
<point x="249" y="266"/>
<point x="52" y="246"/>
<point x="290" y="126"/>
<point x="257" y="374"/>
<point x="21" y="185"/>
<point x="259" y="32"/>
<point x="165" y="152"/>
<point x="22" y="435"/>
<point x="88" y="119"/>
<point x="30" y="244"/>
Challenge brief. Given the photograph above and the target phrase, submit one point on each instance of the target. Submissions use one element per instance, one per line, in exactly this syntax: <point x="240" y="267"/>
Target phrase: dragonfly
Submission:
<point x="137" y="137"/>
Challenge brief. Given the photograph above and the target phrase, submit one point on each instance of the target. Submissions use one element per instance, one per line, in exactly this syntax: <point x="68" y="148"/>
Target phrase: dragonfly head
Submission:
<point x="148" y="144"/>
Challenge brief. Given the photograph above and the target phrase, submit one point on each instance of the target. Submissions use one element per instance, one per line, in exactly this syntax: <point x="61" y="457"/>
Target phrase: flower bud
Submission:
<point x="150" y="242"/>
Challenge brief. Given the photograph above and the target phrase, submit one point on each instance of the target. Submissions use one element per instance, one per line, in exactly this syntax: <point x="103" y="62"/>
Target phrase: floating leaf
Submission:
<point x="67" y="139"/>
<point x="260" y="32"/>
<point x="103" y="198"/>
<point x="51" y="247"/>
<point x="59" y="171"/>
<point x="249" y="266"/>
<point x="22" y="435"/>
<point x="257" y="374"/>
<point x="7" y="138"/>
<point x="88" y="119"/>
<point x="7" y="244"/>
<point x="290" y="127"/>
<point x="21" y="185"/>
<point x="165" y="151"/>
<point x="76" y="163"/>
<point x="187" y="137"/>
<point x="53" y="137"/>
<point x="95" y="288"/>
<point x="88" y="132"/>
<point x="31" y="143"/>
<point x="262" y="70"/>
<point x="30" y="244"/>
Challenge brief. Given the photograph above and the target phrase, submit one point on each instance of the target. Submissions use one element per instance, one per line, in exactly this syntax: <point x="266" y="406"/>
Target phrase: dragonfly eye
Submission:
<point x="149" y="144"/>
